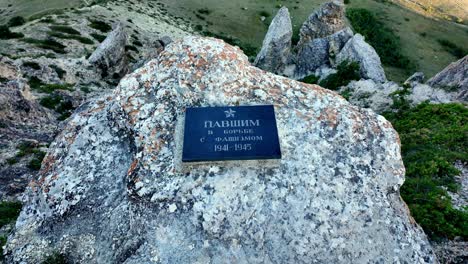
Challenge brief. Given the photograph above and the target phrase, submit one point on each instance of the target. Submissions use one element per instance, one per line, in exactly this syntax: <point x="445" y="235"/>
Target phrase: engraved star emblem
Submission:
<point x="230" y="113"/>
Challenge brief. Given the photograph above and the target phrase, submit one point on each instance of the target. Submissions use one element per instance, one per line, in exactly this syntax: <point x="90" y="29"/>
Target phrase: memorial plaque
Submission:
<point x="230" y="133"/>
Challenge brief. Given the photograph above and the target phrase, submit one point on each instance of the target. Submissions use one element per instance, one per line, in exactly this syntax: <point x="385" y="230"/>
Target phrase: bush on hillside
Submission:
<point x="456" y="51"/>
<point x="383" y="39"/>
<point x="346" y="72"/>
<point x="16" y="21"/>
<point x="433" y="137"/>
<point x="5" y="33"/>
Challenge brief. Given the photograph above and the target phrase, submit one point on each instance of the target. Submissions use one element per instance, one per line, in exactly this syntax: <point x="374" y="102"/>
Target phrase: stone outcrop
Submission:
<point x="328" y="19"/>
<point x="276" y="48"/>
<point x="356" y="49"/>
<point x="453" y="78"/>
<point x="112" y="188"/>
<point x="417" y="77"/>
<point x="110" y="56"/>
<point x="378" y="96"/>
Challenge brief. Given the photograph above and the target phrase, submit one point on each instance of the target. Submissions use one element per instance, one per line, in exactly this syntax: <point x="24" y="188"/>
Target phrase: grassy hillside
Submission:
<point x="452" y="10"/>
<point x="422" y="38"/>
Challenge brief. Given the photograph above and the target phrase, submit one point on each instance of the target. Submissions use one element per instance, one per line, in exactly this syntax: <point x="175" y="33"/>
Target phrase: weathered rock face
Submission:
<point x="113" y="189"/>
<point x="311" y="56"/>
<point x="454" y="77"/>
<point x="359" y="51"/>
<point x="328" y="19"/>
<point x="110" y="55"/>
<point x="378" y="96"/>
<point x="320" y="52"/>
<point x="276" y="48"/>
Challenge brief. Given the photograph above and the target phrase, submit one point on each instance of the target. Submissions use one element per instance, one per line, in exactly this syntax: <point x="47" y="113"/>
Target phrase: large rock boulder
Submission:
<point x="453" y="78"/>
<point x="276" y="48"/>
<point x="110" y="56"/>
<point x="328" y="19"/>
<point x="320" y="52"/>
<point x="357" y="49"/>
<point x="113" y="188"/>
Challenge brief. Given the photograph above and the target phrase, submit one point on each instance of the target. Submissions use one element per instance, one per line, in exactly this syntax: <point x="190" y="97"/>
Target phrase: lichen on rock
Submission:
<point x="113" y="189"/>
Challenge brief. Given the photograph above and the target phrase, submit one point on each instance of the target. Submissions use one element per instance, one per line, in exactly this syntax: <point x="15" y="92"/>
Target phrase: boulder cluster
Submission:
<point x="325" y="41"/>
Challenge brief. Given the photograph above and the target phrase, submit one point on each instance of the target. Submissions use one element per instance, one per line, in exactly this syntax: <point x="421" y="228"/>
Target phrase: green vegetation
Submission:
<point x="131" y="47"/>
<point x="59" y="104"/>
<point x="3" y="241"/>
<point x="36" y="84"/>
<point x="100" y="38"/>
<point x="16" y="21"/>
<point x="264" y="13"/>
<point x="100" y="25"/>
<point x="311" y="79"/>
<point x="382" y="38"/>
<point x="81" y="39"/>
<point x="48" y="44"/>
<point x="26" y="149"/>
<point x="204" y="11"/>
<point x="60" y="72"/>
<point x="55" y="258"/>
<point x="9" y="211"/>
<point x="433" y="137"/>
<point x="5" y="33"/>
<point x="32" y="65"/>
<point x="346" y="72"/>
<point x="65" y="29"/>
<point x="452" y="48"/>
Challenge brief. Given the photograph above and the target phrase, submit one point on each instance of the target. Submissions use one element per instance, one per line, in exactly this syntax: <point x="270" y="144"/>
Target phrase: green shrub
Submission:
<point x="204" y="11"/>
<point x="264" y="13"/>
<point x="59" y="104"/>
<point x="49" y="88"/>
<point x="36" y="161"/>
<point x="55" y="258"/>
<point x="433" y="137"/>
<point x="130" y="47"/>
<point x="347" y="2"/>
<point x="311" y="79"/>
<point x="346" y="72"/>
<point x="9" y="211"/>
<point x="65" y="29"/>
<point x="81" y="39"/>
<point x="48" y="44"/>
<point x="60" y="72"/>
<point x="16" y="21"/>
<point x="3" y="241"/>
<point x="100" y="38"/>
<point x="379" y="36"/>
<point x="5" y="33"/>
<point x="100" y="25"/>
<point x="32" y="65"/>
<point x="452" y="48"/>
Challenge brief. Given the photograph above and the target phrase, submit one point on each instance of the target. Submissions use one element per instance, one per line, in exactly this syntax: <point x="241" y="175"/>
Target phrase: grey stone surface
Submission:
<point x="356" y="49"/>
<point x="371" y="94"/>
<point x="112" y="188"/>
<point x="417" y="77"/>
<point x="110" y="55"/>
<point x="311" y="56"/>
<point x="454" y="78"/>
<point x="276" y="48"/>
<point x="328" y="19"/>
<point x="337" y="41"/>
